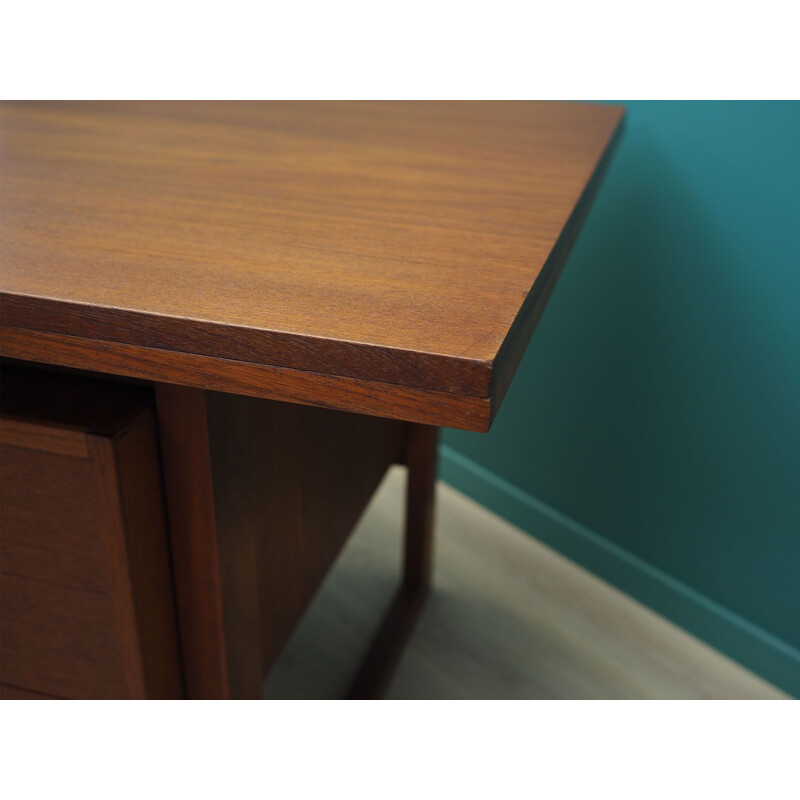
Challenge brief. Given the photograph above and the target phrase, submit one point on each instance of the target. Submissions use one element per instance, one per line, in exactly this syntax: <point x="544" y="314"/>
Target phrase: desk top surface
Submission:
<point x="403" y="251"/>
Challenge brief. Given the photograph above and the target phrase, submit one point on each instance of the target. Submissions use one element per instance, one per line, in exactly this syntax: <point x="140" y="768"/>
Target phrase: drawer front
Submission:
<point x="88" y="609"/>
<point x="59" y="640"/>
<point x="49" y="519"/>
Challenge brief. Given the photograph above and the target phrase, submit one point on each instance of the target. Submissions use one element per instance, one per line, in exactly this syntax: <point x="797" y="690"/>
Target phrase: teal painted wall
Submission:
<point x="657" y="410"/>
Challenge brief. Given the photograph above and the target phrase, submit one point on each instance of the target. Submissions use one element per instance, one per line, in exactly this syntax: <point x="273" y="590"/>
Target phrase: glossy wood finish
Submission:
<point x="63" y="441"/>
<point x="261" y="497"/>
<point x="274" y="383"/>
<point x="186" y="464"/>
<point x="87" y="606"/>
<point x="139" y="565"/>
<point x="385" y="258"/>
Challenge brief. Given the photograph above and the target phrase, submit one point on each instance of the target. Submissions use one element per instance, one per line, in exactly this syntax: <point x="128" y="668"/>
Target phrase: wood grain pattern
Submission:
<point x="87" y="606"/>
<point x="254" y="380"/>
<point x="59" y="640"/>
<point x="49" y="520"/>
<point x="116" y="571"/>
<point x="261" y="497"/>
<point x="137" y="565"/>
<point x="186" y="463"/>
<point x="391" y="243"/>
<point x="62" y="441"/>
<point x="290" y="483"/>
<point x="145" y="564"/>
<point x="51" y="526"/>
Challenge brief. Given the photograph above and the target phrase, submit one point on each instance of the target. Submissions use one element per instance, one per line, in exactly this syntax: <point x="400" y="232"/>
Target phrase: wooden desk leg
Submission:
<point x="261" y="496"/>
<point x="384" y="653"/>
<point x="259" y="504"/>
<point x="186" y="466"/>
<point x="420" y="457"/>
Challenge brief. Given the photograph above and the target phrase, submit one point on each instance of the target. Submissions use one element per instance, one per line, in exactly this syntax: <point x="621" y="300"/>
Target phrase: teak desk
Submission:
<point x="279" y="301"/>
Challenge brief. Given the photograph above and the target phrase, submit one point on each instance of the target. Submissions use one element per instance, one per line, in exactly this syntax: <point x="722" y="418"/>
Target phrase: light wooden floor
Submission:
<point x="508" y="618"/>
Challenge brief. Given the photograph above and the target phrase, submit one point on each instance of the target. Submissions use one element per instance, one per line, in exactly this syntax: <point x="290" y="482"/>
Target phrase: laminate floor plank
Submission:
<point x="507" y="617"/>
